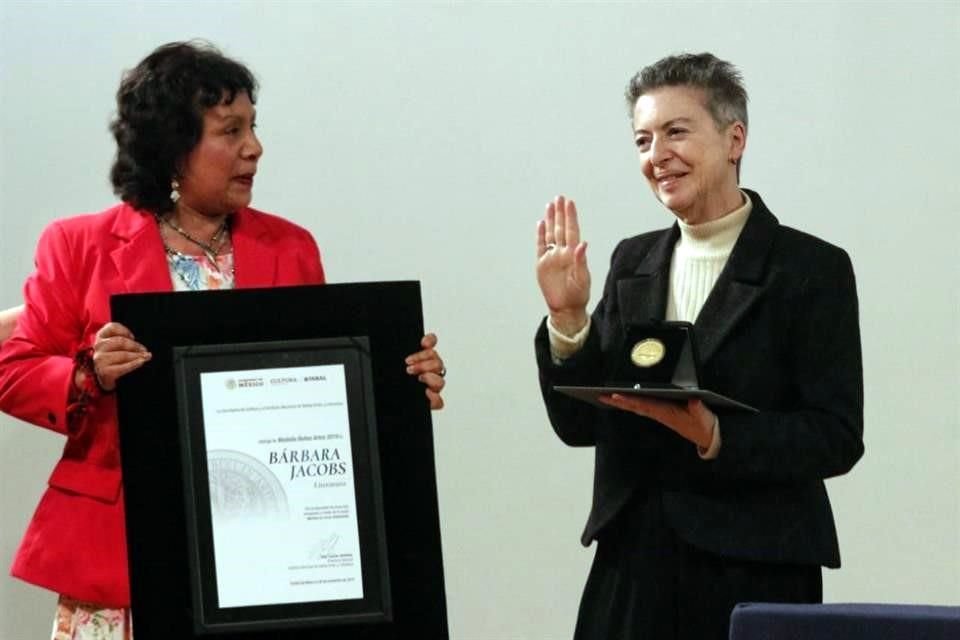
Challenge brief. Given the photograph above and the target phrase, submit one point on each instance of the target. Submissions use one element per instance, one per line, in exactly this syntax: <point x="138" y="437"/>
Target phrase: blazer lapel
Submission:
<point x="741" y="282"/>
<point x="643" y="297"/>
<point x="140" y="259"/>
<point x="254" y="256"/>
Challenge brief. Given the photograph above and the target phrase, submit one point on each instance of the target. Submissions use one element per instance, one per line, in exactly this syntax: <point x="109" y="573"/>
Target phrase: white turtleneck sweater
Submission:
<point x="699" y="257"/>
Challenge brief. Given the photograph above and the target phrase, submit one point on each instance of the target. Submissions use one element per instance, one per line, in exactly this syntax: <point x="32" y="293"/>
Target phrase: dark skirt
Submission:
<point x="646" y="583"/>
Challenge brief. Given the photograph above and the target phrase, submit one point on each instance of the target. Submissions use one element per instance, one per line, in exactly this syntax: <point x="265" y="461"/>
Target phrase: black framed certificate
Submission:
<point x="284" y="529"/>
<point x="278" y="471"/>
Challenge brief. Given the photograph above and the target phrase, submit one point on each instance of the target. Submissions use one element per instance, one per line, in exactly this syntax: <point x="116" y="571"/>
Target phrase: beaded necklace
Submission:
<point x="211" y="248"/>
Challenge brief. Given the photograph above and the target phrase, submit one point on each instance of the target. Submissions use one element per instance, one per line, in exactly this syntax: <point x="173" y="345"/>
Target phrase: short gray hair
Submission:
<point x="721" y="82"/>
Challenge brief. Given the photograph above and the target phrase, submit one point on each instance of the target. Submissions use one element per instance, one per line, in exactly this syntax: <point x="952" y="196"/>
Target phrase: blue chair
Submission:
<point x="764" y="621"/>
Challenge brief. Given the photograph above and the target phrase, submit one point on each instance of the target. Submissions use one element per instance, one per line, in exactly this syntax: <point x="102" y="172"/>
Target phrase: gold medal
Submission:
<point x="647" y="353"/>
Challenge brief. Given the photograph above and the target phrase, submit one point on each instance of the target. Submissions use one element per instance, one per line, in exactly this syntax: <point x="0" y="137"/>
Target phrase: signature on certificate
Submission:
<point x="325" y="546"/>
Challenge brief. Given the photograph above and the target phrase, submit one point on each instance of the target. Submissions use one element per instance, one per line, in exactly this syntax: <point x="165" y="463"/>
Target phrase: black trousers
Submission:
<point x="646" y="583"/>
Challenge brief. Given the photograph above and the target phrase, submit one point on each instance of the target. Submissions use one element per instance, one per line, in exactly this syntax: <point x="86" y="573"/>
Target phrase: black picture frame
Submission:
<point x="353" y="354"/>
<point x="155" y="478"/>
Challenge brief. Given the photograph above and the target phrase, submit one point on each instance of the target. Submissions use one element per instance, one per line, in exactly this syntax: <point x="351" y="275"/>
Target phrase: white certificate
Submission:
<point x="280" y="465"/>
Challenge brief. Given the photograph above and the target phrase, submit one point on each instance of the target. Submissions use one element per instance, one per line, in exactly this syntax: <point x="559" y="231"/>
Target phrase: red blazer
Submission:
<point x="75" y="543"/>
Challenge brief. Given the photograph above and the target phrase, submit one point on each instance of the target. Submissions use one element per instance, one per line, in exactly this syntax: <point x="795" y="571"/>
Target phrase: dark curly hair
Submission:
<point x="160" y="107"/>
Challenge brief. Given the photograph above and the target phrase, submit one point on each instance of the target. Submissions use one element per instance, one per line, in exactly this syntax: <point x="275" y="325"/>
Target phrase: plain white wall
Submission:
<point x="421" y="141"/>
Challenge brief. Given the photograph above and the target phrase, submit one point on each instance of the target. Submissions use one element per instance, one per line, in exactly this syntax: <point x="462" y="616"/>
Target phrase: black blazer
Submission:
<point x="778" y="331"/>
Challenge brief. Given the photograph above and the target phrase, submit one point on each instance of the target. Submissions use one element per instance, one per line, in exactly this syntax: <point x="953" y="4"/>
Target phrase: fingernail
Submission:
<point x="409" y="369"/>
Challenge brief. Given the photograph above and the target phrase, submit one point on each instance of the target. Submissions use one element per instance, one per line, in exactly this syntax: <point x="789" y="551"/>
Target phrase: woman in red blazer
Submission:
<point x="186" y="160"/>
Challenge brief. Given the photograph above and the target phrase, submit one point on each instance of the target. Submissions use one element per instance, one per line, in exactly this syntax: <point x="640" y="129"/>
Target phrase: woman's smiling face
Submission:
<point x="688" y="161"/>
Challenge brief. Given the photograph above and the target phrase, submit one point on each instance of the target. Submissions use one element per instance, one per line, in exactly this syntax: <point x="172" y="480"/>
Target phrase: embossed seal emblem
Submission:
<point x="647" y="353"/>
<point x="243" y="487"/>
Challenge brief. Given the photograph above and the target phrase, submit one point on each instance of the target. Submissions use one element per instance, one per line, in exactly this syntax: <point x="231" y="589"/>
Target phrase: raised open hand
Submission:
<point x="562" y="271"/>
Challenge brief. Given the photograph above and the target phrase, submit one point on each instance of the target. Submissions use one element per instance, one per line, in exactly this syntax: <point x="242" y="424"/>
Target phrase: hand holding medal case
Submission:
<point x="658" y="361"/>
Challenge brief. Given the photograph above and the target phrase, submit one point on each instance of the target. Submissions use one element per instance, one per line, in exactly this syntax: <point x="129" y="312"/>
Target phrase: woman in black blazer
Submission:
<point x="696" y="509"/>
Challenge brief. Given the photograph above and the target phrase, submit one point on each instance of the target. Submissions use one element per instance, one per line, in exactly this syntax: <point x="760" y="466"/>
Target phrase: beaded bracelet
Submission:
<point x="90" y="389"/>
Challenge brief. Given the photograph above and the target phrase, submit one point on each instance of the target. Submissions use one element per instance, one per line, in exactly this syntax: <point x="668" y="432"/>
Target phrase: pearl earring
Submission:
<point x="174" y="194"/>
